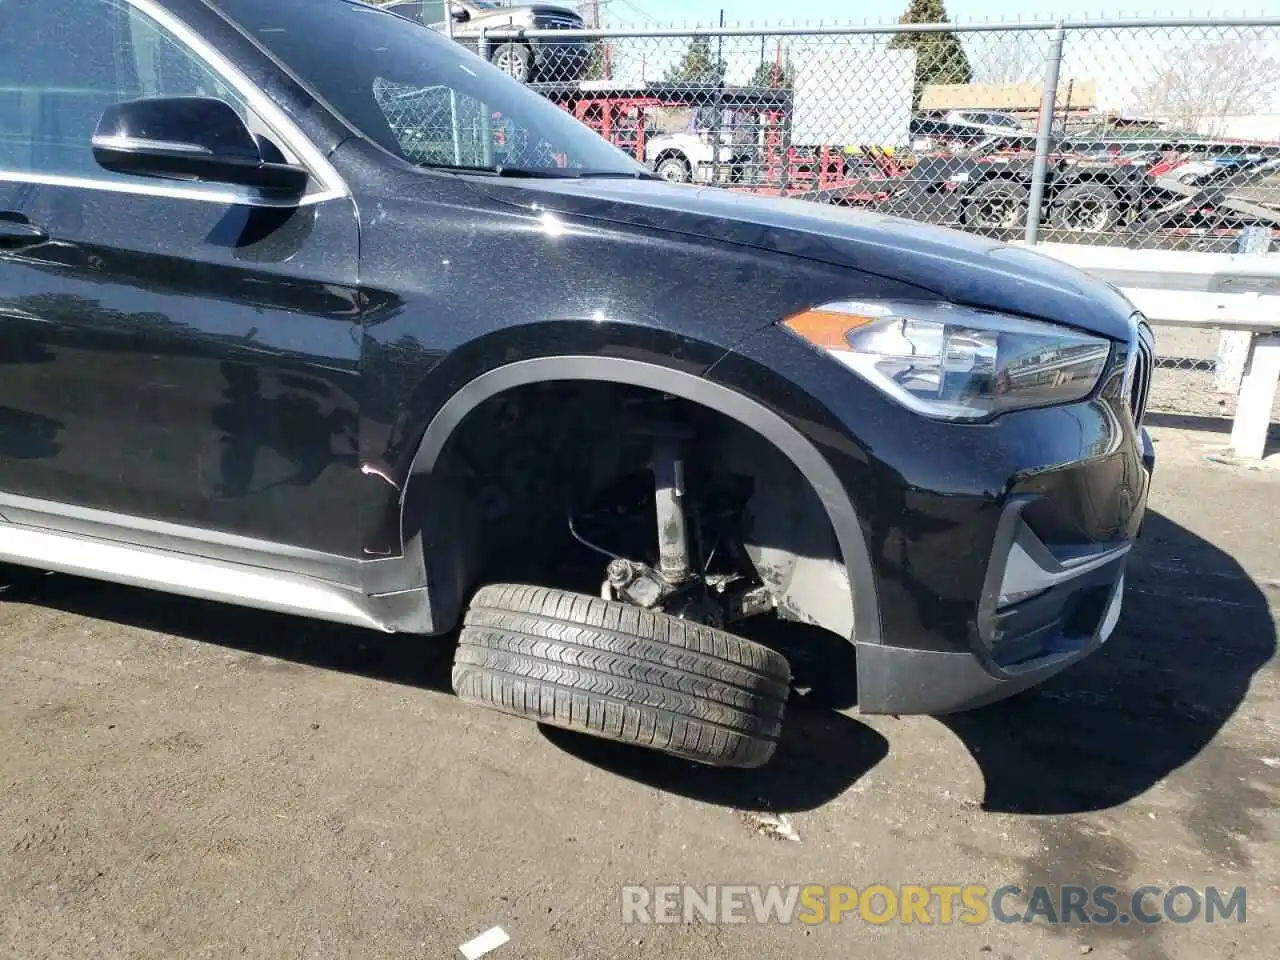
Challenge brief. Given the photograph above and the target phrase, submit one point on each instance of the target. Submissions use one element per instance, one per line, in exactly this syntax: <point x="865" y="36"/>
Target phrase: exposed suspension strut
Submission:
<point x="679" y="584"/>
<point x="674" y="562"/>
<point x="639" y="583"/>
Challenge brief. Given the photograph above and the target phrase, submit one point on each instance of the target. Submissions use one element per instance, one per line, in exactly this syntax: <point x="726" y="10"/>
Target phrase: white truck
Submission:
<point x="856" y="94"/>
<point x="684" y="157"/>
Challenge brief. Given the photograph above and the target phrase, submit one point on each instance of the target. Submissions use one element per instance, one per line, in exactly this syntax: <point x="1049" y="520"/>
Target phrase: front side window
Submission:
<point x="62" y="62"/>
<point x="421" y="97"/>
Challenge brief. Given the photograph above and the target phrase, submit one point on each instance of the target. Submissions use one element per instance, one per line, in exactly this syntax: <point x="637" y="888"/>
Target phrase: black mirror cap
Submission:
<point x="189" y="138"/>
<point x="198" y="125"/>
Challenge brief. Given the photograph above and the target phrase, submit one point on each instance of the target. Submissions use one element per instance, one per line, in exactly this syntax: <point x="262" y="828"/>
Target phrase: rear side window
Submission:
<point x="420" y="11"/>
<point x="410" y="11"/>
<point x="62" y="62"/>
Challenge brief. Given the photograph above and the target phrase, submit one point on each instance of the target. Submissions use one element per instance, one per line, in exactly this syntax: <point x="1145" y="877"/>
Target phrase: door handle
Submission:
<point x="17" y="232"/>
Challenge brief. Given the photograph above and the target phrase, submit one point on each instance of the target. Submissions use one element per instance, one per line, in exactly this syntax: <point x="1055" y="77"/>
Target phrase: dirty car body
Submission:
<point x="350" y="397"/>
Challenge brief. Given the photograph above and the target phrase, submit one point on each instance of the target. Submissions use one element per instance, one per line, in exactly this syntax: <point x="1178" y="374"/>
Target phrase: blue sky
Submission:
<point x="1115" y="69"/>
<point x="679" y="12"/>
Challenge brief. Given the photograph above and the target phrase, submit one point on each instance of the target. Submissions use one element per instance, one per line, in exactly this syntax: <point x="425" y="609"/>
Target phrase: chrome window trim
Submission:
<point x="330" y="182"/>
<point x="175" y="190"/>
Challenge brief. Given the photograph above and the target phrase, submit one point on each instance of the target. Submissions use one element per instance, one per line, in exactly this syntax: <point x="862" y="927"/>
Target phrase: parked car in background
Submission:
<point x="991" y="121"/>
<point x="964" y="129"/>
<point x="304" y="307"/>
<point x="527" y="59"/>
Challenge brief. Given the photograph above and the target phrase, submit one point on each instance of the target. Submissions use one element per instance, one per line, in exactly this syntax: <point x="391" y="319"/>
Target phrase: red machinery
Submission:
<point x="753" y="120"/>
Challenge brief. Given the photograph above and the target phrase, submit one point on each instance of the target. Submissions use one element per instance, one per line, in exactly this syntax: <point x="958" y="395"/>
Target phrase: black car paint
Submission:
<point x="948" y="265"/>
<point x="929" y="494"/>
<point x="186" y="335"/>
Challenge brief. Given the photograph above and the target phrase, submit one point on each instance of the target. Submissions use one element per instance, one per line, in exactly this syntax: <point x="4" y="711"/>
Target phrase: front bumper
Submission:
<point x="1039" y="507"/>
<point x="1041" y="611"/>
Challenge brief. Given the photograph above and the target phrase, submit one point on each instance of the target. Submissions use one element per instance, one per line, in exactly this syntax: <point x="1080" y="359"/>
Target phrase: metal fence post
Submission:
<point x="454" y="124"/>
<point x="1044" y="132"/>
<point x="486" y="111"/>
<point x="719" y="108"/>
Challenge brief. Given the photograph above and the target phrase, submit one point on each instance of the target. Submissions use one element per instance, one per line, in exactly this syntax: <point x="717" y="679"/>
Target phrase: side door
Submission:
<point x="175" y="356"/>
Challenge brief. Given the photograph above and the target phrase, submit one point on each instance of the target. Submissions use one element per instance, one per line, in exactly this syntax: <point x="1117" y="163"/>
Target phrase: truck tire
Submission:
<point x="674" y="169"/>
<point x="1087" y="208"/>
<point x="622" y="673"/>
<point x="997" y="204"/>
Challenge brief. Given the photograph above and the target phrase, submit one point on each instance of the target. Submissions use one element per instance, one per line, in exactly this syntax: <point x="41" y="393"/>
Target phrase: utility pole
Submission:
<point x="590" y="11"/>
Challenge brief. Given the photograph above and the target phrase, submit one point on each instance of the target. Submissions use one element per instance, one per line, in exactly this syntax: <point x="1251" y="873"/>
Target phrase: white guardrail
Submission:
<point x="1238" y="294"/>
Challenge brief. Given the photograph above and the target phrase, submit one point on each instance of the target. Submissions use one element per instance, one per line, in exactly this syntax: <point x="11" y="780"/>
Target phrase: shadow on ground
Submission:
<point x="415" y="661"/>
<point x="1195" y="630"/>
<point x="821" y="754"/>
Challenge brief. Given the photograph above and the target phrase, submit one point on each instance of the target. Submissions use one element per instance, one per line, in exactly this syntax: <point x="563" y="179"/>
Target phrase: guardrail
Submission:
<point x="1236" y="294"/>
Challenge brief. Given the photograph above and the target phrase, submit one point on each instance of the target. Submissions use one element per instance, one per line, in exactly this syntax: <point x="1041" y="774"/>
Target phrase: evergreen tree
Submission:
<point x="770" y="73"/>
<point x="600" y="65"/>
<point x="940" y="57"/>
<point x="698" y="65"/>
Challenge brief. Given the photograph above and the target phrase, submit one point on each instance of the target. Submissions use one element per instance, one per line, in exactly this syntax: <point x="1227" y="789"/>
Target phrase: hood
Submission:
<point x="955" y="266"/>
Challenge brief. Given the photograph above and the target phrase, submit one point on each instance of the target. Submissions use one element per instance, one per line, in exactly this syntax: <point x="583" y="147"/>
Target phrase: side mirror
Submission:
<point x="458" y="13"/>
<point x="190" y="138"/>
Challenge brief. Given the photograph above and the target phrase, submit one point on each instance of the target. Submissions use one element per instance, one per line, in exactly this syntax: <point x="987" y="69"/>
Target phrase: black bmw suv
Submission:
<point x="305" y="308"/>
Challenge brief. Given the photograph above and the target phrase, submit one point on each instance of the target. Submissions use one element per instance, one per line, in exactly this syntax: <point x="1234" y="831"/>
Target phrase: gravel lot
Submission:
<point x="185" y="780"/>
<point x="1185" y="384"/>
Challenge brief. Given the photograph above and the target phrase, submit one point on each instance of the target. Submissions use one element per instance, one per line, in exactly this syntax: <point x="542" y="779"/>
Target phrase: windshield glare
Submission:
<point x="420" y="95"/>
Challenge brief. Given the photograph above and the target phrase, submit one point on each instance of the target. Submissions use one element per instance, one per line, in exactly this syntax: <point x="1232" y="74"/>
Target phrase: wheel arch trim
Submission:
<point x="752" y="414"/>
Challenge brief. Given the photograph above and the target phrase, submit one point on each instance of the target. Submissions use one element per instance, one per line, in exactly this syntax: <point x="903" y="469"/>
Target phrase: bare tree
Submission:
<point x="1006" y="58"/>
<point x="1200" y="87"/>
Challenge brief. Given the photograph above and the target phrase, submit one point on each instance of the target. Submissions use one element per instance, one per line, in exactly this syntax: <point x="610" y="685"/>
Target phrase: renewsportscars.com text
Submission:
<point x="941" y="904"/>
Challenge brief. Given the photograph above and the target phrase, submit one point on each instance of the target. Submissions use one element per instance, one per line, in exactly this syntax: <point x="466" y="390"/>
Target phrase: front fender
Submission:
<point x="863" y="617"/>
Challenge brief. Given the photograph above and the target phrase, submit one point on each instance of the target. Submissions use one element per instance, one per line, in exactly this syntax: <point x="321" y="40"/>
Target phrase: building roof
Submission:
<point x="1082" y="94"/>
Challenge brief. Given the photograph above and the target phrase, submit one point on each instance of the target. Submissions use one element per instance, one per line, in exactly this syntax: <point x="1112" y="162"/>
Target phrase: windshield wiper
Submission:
<point x="618" y="175"/>
<point x="537" y="173"/>
<point x="501" y="171"/>
<point x="570" y="173"/>
<point x="544" y="173"/>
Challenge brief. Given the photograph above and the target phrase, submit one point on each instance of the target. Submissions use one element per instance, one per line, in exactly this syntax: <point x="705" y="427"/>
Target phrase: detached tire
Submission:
<point x="622" y="673"/>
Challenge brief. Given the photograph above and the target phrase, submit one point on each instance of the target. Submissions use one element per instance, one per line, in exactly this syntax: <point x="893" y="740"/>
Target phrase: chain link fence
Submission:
<point x="1145" y="134"/>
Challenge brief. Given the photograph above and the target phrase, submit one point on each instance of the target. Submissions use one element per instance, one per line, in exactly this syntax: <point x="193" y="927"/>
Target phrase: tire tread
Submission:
<point x="622" y="673"/>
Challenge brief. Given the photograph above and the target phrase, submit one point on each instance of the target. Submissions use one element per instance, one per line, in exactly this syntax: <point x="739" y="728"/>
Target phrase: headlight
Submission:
<point x="953" y="362"/>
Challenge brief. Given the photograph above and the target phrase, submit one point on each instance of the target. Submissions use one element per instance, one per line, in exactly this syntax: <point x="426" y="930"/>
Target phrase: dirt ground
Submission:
<point x="184" y="780"/>
<point x="1185" y="384"/>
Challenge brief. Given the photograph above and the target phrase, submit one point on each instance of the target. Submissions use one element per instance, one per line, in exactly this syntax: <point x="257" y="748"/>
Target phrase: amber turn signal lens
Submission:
<point x="826" y="328"/>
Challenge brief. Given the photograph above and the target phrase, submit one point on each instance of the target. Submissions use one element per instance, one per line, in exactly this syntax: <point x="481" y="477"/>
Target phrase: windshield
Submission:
<point x="421" y="96"/>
